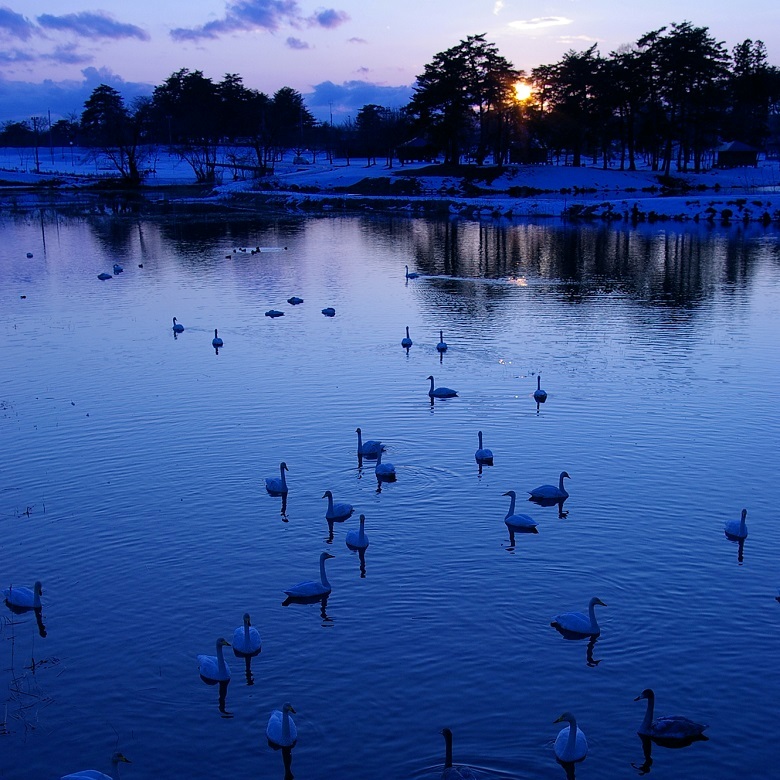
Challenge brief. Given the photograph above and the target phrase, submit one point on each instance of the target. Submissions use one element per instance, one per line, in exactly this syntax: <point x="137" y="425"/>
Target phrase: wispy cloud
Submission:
<point x="15" y="25"/>
<point x="577" y="38"/>
<point x="349" y="96"/>
<point x="14" y="56"/>
<point x="538" y="22"/>
<point x="296" y="43"/>
<point x="356" y="40"/>
<point x="498" y="7"/>
<point x="329" y="18"/>
<point x="93" y="25"/>
<point x="68" y="55"/>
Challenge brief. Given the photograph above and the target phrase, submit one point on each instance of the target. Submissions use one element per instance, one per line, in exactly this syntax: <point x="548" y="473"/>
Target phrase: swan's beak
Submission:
<point x="639" y="697"/>
<point x="558" y="720"/>
<point x="292" y="709"/>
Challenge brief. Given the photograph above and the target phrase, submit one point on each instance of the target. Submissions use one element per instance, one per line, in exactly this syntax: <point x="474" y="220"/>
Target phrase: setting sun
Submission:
<point x="523" y="91"/>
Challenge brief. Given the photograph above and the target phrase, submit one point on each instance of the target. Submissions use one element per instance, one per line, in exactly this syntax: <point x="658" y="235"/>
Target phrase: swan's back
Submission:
<point x="675" y="727"/>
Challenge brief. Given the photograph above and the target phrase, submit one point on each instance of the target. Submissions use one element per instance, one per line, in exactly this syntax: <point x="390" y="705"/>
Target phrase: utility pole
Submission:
<point x="36" y="120"/>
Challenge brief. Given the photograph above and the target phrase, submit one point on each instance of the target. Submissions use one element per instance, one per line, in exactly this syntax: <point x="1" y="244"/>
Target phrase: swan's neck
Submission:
<point x="742" y="523"/>
<point x="407" y="331"/>
<point x="284" y="481"/>
<point x="592" y="615"/>
<point x="431" y="384"/>
<point x="646" y="723"/>
<point x="560" y="484"/>
<point x="447" y="751"/>
<point x="571" y="742"/>
<point x="360" y="441"/>
<point x="480" y="439"/>
<point x="323" y="578"/>
<point x="221" y="661"/>
<point x="330" y="505"/>
<point x="362" y="531"/>
<point x="285" y="726"/>
<point x="511" y="506"/>
<point x="539" y="382"/>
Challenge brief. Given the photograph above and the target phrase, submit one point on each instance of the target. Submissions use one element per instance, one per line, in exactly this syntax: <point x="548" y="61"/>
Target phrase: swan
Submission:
<point x="295" y="300"/>
<point x="24" y="598"/>
<point x="483" y="455"/>
<point x="104" y="276"/>
<point x="451" y="772"/>
<point x="118" y="268"/>
<point x="540" y="396"/>
<point x="213" y="667"/>
<point x="577" y="623"/>
<point x="672" y="727"/>
<point x="737" y="529"/>
<point x="246" y="640"/>
<point x="312" y="588"/>
<point x="329" y="311"/>
<point x="570" y="744"/>
<point x="177" y="326"/>
<point x="369" y="448"/>
<point x="277" y="486"/>
<point x="412" y="275"/>
<point x="281" y="728"/>
<point x="518" y="522"/>
<point x="337" y="511"/>
<point x="442" y="345"/>
<point x="550" y="491"/>
<point x="440" y="392"/>
<point x="356" y="538"/>
<point x="216" y="341"/>
<point x="274" y="313"/>
<point x="406" y="342"/>
<point x="94" y="774"/>
<point x="384" y="470"/>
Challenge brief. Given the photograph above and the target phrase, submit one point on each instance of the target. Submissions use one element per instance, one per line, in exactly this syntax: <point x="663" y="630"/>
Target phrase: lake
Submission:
<point x="133" y="487"/>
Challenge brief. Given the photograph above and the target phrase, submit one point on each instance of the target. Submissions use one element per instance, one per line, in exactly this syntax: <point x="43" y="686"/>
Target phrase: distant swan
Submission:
<point x="329" y="311"/>
<point x="570" y="744"/>
<point x="177" y="326"/>
<point x="384" y="471"/>
<point x="440" y="392"/>
<point x="277" y="486"/>
<point x="118" y="268"/>
<point x="406" y="342"/>
<point x="213" y="667"/>
<point x="281" y="730"/>
<point x="337" y="511"/>
<point x="577" y="623"/>
<point x="540" y="396"/>
<point x="246" y="639"/>
<point x="357" y="538"/>
<point x="295" y="300"/>
<point x="483" y="455"/>
<point x="369" y="448"/>
<point x="518" y="522"/>
<point x="550" y="491"/>
<point x="94" y="774"/>
<point x="104" y="276"/>
<point x="24" y="598"/>
<point x="442" y="345"/>
<point x="274" y="313"/>
<point x="412" y="275"/>
<point x="216" y="341"/>
<point x="672" y="727"/>
<point x="737" y="529"/>
<point x="312" y="588"/>
<point x="451" y="772"/>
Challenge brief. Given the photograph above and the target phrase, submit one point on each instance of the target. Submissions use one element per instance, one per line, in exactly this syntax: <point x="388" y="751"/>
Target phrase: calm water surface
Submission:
<point x="132" y="486"/>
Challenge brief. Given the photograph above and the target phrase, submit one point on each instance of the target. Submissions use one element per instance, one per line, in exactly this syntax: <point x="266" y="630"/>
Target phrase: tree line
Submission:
<point x="668" y="99"/>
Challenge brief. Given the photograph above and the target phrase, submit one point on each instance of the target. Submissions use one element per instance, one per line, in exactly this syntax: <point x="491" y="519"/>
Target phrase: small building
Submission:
<point x="736" y="155"/>
<point x="417" y="150"/>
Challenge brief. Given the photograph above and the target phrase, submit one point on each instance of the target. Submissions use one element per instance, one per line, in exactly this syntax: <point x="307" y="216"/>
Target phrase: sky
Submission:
<point x="340" y="55"/>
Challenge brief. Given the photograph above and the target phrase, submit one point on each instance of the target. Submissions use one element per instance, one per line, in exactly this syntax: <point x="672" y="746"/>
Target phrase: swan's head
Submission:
<point x="38" y="588"/>
<point x="283" y="466"/>
<point x="595" y="601"/>
<point x="357" y="430"/>
<point x="324" y="556"/>
<point x="567" y="716"/>
<point x="565" y="475"/>
<point x="744" y="513"/>
<point x="327" y="494"/>
<point x="447" y="733"/>
<point x="647" y="693"/>
<point x="246" y="618"/>
<point x="362" y="518"/>
<point x="429" y="377"/>
<point x="222" y="642"/>
<point x="119" y="758"/>
<point x="510" y="493"/>
<point x="287" y="707"/>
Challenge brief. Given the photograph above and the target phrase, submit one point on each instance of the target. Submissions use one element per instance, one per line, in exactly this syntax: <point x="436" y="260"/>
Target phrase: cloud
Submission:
<point x="498" y="7"/>
<point x="15" y="56"/>
<point x="67" y="55"/>
<point x="15" y="25"/>
<point x="329" y="18"/>
<point x="92" y="24"/>
<point x="346" y="98"/>
<point x="297" y="43"/>
<point x="575" y="38"/>
<point x="356" y="40"/>
<point x="531" y="25"/>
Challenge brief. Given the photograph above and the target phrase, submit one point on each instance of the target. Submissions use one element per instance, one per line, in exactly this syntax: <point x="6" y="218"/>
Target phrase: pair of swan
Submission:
<point x="518" y="522"/>
<point x="577" y="623"/>
<point x="312" y="588"/>
<point x="216" y="341"/>
<point x="177" y="326"/>
<point x="483" y="455"/>
<point x="277" y="486"/>
<point x="94" y="774"/>
<point x="337" y="511"/>
<point x="440" y="392"/>
<point x="674" y="728"/>
<point x="213" y="667"/>
<point x="281" y="730"/>
<point x="737" y="529"/>
<point x="550" y="492"/>
<point x="24" y="598"/>
<point x="369" y="448"/>
<point x="356" y="537"/>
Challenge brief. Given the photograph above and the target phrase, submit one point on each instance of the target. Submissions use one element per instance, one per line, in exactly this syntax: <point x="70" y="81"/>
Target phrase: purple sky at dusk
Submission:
<point x="344" y="53"/>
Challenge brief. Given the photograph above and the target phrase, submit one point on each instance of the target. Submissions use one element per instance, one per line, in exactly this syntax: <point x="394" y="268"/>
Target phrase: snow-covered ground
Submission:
<point x="731" y="195"/>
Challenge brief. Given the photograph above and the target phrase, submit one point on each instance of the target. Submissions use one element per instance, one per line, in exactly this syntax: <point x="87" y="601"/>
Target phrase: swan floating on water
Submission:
<point x="274" y="313"/>
<point x="440" y="392"/>
<point x="442" y="345"/>
<point x="577" y="623"/>
<point x="246" y="640"/>
<point x="213" y="667"/>
<point x="295" y="300"/>
<point x="412" y="275"/>
<point x="518" y="522"/>
<point x="337" y="511"/>
<point x="451" y="772"/>
<point x="385" y="471"/>
<point x="94" y="774"/>
<point x="540" y="396"/>
<point x="671" y="727"/>
<point x="483" y="455"/>
<point x="281" y="730"/>
<point x="356" y="537"/>
<point x="177" y="326"/>
<point x="216" y="341"/>
<point x="329" y="311"/>
<point x="118" y="269"/>
<point x="369" y="448"/>
<point x="104" y="276"/>
<point x="550" y="491"/>
<point x="570" y="744"/>
<point x="312" y="588"/>
<point x="406" y="342"/>
<point x="737" y="529"/>
<point x="24" y="598"/>
<point x="277" y="486"/>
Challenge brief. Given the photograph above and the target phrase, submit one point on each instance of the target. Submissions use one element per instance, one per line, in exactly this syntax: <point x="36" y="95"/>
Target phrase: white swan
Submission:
<point x="737" y="529"/>
<point x="216" y="341"/>
<point x="104" y="276"/>
<point x="356" y="537"/>
<point x="295" y="300"/>
<point x="442" y="345"/>
<point x="277" y="486"/>
<point x="672" y="727"/>
<point x="577" y="623"/>
<point x="451" y="772"/>
<point x="337" y="511"/>
<point x="383" y="470"/>
<point x="274" y="313"/>
<point x="213" y="667"/>
<point x="440" y="392"/>
<point x="540" y="396"/>
<point x="24" y="598"/>
<point x="246" y="640"/>
<point x="312" y="588"/>
<point x="550" y="491"/>
<point x="570" y="744"/>
<point x="177" y="326"/>
<point x="369" y="448"/>
<point x="518" y="522"/>
<point x="406" y="342"/>
<point x="118" y="269"/>
<point x="412" y="275"/>
<point x="329" y="311"/>
<point x="281" y="729"/>
<point x="483" y="455"/>
<point x="94" y="774"/>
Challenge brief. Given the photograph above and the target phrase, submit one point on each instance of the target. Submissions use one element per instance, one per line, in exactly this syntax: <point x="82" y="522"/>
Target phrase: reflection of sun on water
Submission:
<point x="523" y="91"/>
<point x="519" y="281"/>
